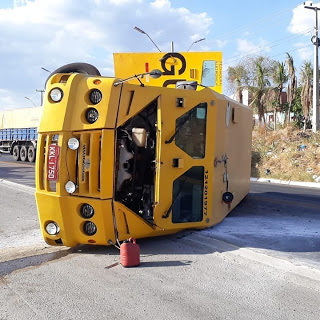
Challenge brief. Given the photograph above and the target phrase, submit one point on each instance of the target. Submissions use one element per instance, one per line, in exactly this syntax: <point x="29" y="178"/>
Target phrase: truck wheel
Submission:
<point x="16" y="153"/>
<point x="31" y="154"/>
<point x="23" y="153"/>
<point x="77" y="67"/>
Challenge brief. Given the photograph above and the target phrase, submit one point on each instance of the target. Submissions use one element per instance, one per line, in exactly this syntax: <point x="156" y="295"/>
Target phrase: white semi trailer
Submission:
<point x="19" y="132"/>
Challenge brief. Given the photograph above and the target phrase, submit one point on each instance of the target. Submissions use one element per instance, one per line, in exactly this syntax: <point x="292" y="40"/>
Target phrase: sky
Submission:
<point x="51" y="33"/>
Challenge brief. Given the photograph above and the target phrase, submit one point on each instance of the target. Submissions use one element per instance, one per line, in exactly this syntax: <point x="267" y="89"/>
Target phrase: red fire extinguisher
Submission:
<point x="130" y="253"/>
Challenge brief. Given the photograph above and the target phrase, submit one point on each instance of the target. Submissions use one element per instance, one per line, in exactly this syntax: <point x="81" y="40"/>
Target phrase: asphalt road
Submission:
<point x="17" y="171"/>
<point x="261" y="262"/>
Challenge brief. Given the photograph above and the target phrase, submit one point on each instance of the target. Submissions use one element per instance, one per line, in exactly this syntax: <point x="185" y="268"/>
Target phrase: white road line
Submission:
<point x="18" y="186"/>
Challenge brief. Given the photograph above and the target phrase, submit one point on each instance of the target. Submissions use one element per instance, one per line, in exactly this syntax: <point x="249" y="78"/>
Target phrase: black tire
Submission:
<point x="23" y="153"/>
<point x="31" y="154"/>
<point x="16" y="153"/>
<point x="77" y="67"/>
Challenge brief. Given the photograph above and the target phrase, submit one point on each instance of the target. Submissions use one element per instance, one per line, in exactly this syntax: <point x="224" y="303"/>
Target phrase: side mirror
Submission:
<point x="155" y="73"/>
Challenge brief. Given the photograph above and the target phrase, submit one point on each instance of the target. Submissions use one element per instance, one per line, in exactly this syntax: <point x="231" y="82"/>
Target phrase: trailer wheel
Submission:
<point x="77" y="67"/>
<point x="23" y="153"/>
<point x="16" y="153"/>
<point x="31" y="154"/>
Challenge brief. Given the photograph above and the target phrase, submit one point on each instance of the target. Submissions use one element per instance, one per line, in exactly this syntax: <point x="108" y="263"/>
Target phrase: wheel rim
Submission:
<point x="31" y="154"/>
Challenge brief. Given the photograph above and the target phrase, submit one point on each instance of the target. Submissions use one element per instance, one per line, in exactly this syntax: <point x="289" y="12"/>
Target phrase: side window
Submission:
<point x="191" y="131"/>
<point x="188" y="196"/>
<point x="208" y="73"/>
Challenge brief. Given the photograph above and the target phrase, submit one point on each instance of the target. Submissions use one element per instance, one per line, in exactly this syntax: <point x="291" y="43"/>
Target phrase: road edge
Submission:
<point x="291" y="183"/>
<point x="18" y="186"/>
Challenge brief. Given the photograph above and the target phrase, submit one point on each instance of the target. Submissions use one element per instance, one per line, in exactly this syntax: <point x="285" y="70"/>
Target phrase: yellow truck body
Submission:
<point x="203" y="67"/>
<point x="118" y="158"/>
<point x="152" y="160"/>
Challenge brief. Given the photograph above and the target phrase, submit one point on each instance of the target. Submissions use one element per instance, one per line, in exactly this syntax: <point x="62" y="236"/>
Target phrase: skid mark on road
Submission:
<point x="7" y="267"/>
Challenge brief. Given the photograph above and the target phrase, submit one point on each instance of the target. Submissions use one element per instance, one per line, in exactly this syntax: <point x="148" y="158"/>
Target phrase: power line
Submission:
<point x="277" y="16"/>
<point x="236" y="30"/>
<point x="264" y="47"/>
<point x="278" y="54"/>
<point x="290" y="51"/>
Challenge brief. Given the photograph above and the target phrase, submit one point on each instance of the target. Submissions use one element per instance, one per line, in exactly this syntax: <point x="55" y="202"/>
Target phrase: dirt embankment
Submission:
<point x="286" y="154"/>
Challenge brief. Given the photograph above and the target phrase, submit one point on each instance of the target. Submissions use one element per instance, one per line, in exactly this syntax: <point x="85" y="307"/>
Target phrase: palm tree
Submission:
<point x="280" y="77"/>
<point x="306" y="92"/>
<point x="261" y="82"/>
<point x="292" y="85"/>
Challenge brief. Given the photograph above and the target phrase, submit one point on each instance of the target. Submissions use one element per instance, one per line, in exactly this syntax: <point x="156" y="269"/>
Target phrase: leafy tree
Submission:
<point x="297" y="109"/>
<point x="246" y="74"/>
<point x="245" y="71"/>
<point x="238" y="78"/>
<point x="265" y="80"/>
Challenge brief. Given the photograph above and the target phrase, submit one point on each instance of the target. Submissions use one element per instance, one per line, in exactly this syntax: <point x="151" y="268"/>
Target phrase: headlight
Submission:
<point x="92" y="115"/>
<point x="52" y="228"/>
<point x="73" y="143"/>
<point x="87" y="211"/>
<point x="95" y="96"/>
<point x="56" y="94"/>
<point x="89" y="228"/>
<point x="70" y="187"/>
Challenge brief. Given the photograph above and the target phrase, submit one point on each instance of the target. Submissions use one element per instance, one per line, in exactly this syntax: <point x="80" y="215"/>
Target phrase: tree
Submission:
<point x="292" y="84"/>
<point x="261" y="83"/>
<point x="238" y="78"/>
<point x="306" y="91"/>
<point x="279" y="78"/>
<point x="245" y="75"/>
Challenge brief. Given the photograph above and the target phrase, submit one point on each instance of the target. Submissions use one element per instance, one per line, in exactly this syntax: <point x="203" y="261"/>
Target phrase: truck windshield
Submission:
<point x="208" y="73"/>
<point x="188" y="195"/>
<point x="191" y="136"/>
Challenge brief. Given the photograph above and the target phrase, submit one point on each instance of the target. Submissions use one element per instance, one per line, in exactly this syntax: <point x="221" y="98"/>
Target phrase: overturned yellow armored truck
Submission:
<point x="117" y="159"/>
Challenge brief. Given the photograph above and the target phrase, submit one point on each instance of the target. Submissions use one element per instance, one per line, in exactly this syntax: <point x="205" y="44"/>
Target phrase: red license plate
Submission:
<point x="53" y="162"/>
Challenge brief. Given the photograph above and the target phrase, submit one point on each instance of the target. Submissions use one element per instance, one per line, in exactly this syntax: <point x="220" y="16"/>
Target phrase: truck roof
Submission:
<point x="20" y="118"/>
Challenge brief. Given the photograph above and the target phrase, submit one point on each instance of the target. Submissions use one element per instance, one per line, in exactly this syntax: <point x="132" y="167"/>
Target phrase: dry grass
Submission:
<point x="286" y="154"/>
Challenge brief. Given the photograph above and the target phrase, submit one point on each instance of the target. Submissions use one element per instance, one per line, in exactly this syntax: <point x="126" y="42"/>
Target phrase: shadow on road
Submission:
<point x="10" y="266"/>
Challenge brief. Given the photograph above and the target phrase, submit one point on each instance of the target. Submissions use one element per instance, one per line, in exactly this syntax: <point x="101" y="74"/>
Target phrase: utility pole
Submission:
<point x="316" y="42"/>
<point x="41" y="92"/>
